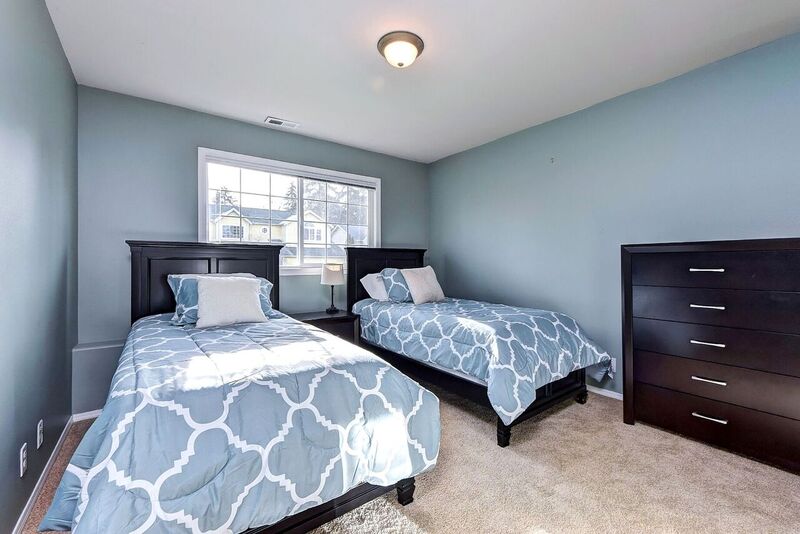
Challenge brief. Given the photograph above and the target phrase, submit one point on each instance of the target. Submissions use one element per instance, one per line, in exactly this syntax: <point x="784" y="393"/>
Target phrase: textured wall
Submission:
<point x="537" y="218"/>
<point x="38" y="243"/>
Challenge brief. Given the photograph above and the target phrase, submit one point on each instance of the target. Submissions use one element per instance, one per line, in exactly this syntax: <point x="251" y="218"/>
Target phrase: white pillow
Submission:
<point x="230" y="300"/>
<point x="375" y="287"/>
<point x="423" y="285"/>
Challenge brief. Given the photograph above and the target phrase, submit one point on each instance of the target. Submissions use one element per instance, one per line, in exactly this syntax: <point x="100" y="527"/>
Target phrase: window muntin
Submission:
<point x="313" y="212"/>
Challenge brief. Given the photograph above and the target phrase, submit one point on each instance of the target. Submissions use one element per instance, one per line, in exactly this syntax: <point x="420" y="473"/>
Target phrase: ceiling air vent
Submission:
<point x="280" y="123"/>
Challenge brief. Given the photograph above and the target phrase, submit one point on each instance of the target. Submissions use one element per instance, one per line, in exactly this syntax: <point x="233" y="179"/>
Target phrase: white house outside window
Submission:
<point x="248" y="199"/>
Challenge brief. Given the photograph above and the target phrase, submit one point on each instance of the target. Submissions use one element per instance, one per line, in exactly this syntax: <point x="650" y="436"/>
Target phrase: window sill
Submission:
<point x="300" y="271"/>
<point x="303" y="271"/>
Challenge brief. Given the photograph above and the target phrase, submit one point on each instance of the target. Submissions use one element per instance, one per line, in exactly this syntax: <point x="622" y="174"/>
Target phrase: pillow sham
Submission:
<point x="228" y="300"/>
<point x="395" y="285"/>
<point x="184" y="287"/>
<point x="373" y="283"/>
<point x="423" y="285"/>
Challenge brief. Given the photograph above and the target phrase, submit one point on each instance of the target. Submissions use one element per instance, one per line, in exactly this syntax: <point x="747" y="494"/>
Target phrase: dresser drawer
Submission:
<point x="773" y="311"/>
<point x="768" y="270"/>
<point x="764" y="351"/>
<point x="767" y="392"/>
<point x="772" y="438"/>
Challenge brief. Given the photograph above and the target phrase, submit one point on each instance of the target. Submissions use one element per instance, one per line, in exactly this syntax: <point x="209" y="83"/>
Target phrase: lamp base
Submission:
<point x="333" y="308"/>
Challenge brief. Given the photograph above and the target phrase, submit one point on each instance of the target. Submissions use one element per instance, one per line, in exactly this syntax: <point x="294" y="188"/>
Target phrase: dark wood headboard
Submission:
<point x="152" y="261"/>
<point x="364" y="261"/>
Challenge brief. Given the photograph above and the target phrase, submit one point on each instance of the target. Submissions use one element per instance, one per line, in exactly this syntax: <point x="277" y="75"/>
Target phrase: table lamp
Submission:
<point x="332" y="275"/>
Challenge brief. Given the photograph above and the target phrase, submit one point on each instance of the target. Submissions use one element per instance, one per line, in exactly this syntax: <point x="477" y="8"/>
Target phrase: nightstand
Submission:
<point x="341" y="324"/>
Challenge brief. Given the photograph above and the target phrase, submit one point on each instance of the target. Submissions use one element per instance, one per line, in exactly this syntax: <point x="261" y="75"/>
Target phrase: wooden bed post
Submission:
<point x="405" y="491"/>
<point x="503" y="433"/>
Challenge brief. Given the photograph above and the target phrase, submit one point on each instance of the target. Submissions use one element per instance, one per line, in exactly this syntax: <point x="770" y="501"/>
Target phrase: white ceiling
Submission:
<point x="489" y="68"/>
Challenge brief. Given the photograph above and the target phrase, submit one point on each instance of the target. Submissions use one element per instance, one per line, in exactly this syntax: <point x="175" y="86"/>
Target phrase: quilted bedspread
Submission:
<point x="226" y="428"/>
<point x="513" y="350"/>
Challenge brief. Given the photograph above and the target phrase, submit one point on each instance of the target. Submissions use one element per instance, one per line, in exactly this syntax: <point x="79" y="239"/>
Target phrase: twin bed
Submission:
<point x="518" y="361"/>
<point x="259" y="427"/>
<point x="278" y="426"/>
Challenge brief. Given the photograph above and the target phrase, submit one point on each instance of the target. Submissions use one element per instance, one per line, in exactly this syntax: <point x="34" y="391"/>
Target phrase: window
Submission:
<point x="312" y="233"/>
<point x="249" y="199"/>
<point x="230" y="231"/>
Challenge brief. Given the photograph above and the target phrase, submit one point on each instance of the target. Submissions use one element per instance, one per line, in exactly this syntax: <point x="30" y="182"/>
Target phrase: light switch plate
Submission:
<point x="23" y="459"/>
<point x="39" y="433"/>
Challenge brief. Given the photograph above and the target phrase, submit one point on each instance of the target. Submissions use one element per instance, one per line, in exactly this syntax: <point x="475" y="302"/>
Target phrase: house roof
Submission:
<point x="262" y="215"/>
<point x="252" y="214"/>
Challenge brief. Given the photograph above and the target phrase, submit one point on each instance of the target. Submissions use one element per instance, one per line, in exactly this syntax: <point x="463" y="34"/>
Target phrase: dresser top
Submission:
<point x="782" y="243"/>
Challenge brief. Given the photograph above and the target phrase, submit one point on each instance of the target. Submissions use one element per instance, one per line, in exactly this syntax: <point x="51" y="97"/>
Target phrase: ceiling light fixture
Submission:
<point x="400" y="49"/>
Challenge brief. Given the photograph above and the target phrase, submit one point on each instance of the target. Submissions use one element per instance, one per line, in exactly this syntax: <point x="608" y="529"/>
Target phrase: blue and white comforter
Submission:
<point x="226" y="428"/>
<point x="513" y="350"/>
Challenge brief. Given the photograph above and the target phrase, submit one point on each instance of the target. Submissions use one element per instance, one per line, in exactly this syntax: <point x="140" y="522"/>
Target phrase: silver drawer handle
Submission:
<point x="697" y="270"/>
<point x="712" y="419"/>
<point x="709" y="381"/>
<point x="707" y="343"/>
<point x="706" y="307"/>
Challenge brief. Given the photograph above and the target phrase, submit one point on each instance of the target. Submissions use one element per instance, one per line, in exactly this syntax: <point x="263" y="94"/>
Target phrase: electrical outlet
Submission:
<point x="613" y="365"/>
<point x="23" y="459"/>
<point x="39" y="433"/>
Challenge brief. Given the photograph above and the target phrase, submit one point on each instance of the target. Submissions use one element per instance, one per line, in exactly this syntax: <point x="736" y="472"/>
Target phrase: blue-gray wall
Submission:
<point x="537" y="218"/>
<point x="38" y="173"/>
<point x="138" y="180"/>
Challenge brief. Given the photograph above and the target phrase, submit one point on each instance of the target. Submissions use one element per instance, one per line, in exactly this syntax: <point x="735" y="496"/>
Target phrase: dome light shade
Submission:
<point x="400" y="49"/>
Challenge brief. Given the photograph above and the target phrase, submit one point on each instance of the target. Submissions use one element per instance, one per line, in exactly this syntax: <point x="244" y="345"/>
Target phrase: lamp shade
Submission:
<point x="332" y="274"/>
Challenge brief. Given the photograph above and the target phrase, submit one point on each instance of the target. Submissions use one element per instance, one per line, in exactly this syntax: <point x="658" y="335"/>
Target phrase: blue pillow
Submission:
<point x="396" y="286"/>
<point x="184" y="287"/>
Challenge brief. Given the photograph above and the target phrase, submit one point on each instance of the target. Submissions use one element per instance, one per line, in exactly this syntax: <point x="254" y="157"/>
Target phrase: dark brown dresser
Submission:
<point x="711" y="343"/>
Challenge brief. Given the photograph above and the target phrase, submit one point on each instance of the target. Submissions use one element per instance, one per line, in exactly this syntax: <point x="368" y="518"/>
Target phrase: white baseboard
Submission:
<point x="85" y="415"/>
<point x="42" y="477"/>
<point x="605" y="392"/>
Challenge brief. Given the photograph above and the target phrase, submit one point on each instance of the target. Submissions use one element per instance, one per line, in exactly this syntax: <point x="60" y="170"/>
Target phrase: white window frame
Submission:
<point x="210" y="155"/>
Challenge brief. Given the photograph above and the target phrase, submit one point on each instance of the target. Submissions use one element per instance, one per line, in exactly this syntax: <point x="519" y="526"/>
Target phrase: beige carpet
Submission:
<point x="577" y="469"/>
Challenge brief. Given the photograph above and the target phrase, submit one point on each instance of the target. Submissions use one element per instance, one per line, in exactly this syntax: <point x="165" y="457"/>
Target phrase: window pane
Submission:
<point x="289" y="256"/>
<point x="223" y="177"/>
<point x="255" y="206"/>
<point x="284" y="220"/>
<point x="255" y="182"/>
<point x="313" y="254"/>
<point x="284" y="186"/>
<point x="313" y="189"/>
<point x="358" y="195"/>
<point x="337" y="234"/>
<point x="336" y="254"/>
<point x="358" y="215"/>
<point x="357" y="235"/>
<point x="226" y="199"/>
<point x="284" y="208"/>
<point x="255" y="218"/>
<point x="337" y="213"/>
<point x="314" y="211"/>
<point x="337" y="192"/>
<point x="258" y="231"/>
